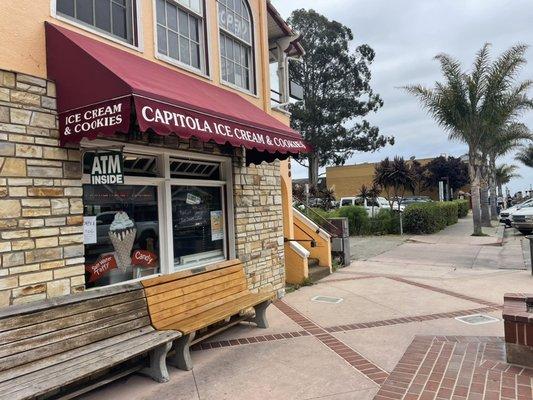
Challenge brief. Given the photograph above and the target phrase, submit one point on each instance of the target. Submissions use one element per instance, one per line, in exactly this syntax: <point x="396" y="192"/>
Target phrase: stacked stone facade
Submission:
<point x="259" y="225"/>
<point x="41" y="241"/>
<point x="41" y="205"/>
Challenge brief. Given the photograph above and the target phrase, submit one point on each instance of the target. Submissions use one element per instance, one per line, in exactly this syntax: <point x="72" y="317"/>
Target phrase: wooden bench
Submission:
<point x="189" y="301"/>
<point x="48" y="345"/>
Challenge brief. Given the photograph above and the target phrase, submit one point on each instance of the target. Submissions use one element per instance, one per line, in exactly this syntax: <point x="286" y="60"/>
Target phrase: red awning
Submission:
<point x="98" y="87"/>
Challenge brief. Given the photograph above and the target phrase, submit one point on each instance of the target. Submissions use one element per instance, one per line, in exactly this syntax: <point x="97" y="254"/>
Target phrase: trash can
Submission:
<point x="340" y="241"/>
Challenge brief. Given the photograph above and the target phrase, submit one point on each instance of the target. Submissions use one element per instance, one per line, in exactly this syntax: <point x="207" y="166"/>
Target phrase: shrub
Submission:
<point x="463" y="207"/>
<point x="423" y="218"/>
<point x="358" y="222"/>
<point x="386" y="221"/>
<point x="449" y="211"/>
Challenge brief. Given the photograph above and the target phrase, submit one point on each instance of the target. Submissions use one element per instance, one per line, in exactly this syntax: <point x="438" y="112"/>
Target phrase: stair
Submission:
<point x="316" y="272"/>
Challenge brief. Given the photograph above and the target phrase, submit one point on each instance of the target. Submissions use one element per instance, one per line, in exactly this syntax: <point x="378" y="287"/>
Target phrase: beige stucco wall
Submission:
<point x="24" y="50"/>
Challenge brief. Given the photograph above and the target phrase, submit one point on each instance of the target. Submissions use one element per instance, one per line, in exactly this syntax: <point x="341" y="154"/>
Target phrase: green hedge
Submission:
<point x="463" y="207"/>
<point x="423" y="218"/>
<point x="417" y="218"/>
<point x="449" y="211"/>
<point x="430" y="217"/>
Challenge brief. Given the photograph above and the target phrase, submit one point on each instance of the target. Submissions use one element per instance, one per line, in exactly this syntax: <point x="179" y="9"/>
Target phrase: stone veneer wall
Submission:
<point x="41" y="207"/>
<point x="259" y="225"/>
<point x="41" y="241"/>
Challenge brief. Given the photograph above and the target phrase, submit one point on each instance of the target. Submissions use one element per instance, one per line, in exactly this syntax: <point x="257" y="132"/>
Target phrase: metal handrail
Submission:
<point x="332" y="228"/>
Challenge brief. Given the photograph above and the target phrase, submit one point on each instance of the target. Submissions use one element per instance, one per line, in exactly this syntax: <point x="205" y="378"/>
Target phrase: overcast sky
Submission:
<point x="406" y="35"/>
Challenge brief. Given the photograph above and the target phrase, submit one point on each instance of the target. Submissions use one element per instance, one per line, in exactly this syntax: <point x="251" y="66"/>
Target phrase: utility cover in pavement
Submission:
<point x="477" y="319"/>
<point x="327" y="299"/>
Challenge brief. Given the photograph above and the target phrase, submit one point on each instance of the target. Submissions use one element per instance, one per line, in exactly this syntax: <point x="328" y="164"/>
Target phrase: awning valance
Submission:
<point x="100" y="87"/>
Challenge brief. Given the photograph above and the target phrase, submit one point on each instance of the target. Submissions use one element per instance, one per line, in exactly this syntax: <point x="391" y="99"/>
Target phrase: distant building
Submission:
<point x="346" y="180"/>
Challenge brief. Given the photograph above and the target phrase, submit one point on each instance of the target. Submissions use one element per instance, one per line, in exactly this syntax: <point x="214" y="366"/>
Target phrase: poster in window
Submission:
<point x="89" y="230"/>
<point x="217" y="231"/>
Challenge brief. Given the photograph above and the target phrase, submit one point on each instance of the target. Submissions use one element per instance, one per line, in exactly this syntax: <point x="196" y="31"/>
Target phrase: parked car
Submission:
<point x="372" y="206"/>
<point x="523" y="220"/>
<point x="415" y="199"/>
<point x="505" y="215"/>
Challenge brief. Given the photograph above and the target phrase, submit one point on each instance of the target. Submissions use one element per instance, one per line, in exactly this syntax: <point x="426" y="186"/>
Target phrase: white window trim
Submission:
<point x="138" y="25"/>
<point x="164" y="183"/>
<point x="253" y="91"/>
<point x="205" y="48"/>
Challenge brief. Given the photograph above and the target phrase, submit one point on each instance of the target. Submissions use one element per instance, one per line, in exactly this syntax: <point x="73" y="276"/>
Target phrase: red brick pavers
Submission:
<point x="456" y="368"/>
<point x="352" y="357"/>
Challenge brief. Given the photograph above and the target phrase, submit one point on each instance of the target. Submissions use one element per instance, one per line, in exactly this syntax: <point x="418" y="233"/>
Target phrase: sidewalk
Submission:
<point x="393" y="335"/>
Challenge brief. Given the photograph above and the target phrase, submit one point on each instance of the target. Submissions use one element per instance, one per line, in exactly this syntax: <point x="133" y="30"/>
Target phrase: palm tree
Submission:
<point x="525" y="156"/>
<point x="471" y="106"/>
<point x="501" y="143"/>
<point x="504" y="173"/>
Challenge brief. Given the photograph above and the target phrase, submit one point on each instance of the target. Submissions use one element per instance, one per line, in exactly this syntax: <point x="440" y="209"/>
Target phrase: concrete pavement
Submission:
<point x="352" y="349"/>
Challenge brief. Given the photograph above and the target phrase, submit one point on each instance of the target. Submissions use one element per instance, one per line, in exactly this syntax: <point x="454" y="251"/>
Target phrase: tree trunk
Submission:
<point x="474" y="191"/>
<point x="313" y="170"/>
<point x="493" y="194"/>
<point x="485" y="206"/>
<point x="500" y="191"/>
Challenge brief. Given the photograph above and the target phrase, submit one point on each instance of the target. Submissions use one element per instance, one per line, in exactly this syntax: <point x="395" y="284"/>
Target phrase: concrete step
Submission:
<point x="316" y="272"/>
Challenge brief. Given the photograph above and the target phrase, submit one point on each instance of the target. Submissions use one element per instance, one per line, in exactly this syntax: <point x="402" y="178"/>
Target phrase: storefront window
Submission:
<point x="198" y="225"/>
<point x="124" y="243"/>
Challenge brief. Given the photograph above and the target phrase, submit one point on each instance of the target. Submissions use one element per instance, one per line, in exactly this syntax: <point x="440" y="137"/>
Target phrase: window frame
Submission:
<point x="205" y="65"/>
<point x="136" y="21"/>
<point x="253" y="54"/>
<point x="164" y="181"/>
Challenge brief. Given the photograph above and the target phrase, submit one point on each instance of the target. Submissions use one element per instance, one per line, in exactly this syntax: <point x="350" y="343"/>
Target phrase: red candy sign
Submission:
<point x="101" y="267"/>
<point x="144" y="258"/>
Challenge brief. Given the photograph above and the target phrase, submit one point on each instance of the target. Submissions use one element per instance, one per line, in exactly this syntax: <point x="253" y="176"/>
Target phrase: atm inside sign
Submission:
<point x="107" y="168"/>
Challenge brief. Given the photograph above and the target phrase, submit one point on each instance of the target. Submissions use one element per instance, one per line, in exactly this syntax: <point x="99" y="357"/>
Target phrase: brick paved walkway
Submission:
<point x="456" y="368"/>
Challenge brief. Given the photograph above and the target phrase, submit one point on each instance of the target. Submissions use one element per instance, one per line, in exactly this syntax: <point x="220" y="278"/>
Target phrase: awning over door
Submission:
<point x="100" y="87"/>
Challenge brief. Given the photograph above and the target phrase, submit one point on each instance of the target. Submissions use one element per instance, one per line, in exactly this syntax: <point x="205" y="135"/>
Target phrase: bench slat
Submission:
<point x="13" y="322"/>
<point x="197" y="307"/>
<point x="178" y="283"/>
<point x="33" y="307"/>
<point x="190" y="272"/>
<point x="61" y="377"/>
<point x="20" y="371"/>
<point x="70" y="321"/>
<point x="202" y="295"/>
<point x="219" y="313"/>
<point x="61" y="346"/>
<point x="70" y="334"/>
<point x="194" y="287"/>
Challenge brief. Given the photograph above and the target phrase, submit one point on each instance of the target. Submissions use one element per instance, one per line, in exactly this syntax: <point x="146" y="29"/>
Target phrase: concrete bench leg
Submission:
<point x="182" y="358"/>
<point x="260" y="314"/>
<point x="158" y="364"/>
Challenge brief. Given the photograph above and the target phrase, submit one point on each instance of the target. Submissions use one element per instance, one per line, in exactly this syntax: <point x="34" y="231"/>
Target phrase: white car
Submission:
<point x="372" y="206"/>
<point x="523" y="220"/>
<point x="505" y="215"/>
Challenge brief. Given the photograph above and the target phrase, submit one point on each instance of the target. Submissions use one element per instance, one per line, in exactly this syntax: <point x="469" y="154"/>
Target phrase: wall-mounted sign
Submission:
<point x="107" y="168"/>
<point x="101" y="267"/>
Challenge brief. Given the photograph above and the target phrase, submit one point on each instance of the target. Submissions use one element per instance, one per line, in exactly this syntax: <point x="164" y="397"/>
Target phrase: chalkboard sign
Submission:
<point x="189" y="216"/>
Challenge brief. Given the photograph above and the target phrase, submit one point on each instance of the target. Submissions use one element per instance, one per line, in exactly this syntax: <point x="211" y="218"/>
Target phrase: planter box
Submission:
<point x="518" y="319"/>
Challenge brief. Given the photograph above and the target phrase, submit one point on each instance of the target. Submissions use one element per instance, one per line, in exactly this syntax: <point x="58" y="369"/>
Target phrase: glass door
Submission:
<point x="198" y="225"/>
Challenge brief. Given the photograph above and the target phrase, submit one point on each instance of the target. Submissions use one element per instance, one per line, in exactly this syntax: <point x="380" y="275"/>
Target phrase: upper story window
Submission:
<point x="236" y="43"/>
<point x="115" y="17"/>
<point x="180" y="31"/>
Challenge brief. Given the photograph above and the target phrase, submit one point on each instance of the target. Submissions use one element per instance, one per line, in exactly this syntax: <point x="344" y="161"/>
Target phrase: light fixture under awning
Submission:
<point x="99" y="88"/>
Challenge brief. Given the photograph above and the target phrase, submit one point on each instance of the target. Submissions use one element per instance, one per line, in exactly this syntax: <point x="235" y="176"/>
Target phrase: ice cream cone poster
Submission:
<point x="144" y="258"/>
<point x="104" y="264"/>
<point x="217" y="231"/>
<point x="122" y="234"/>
